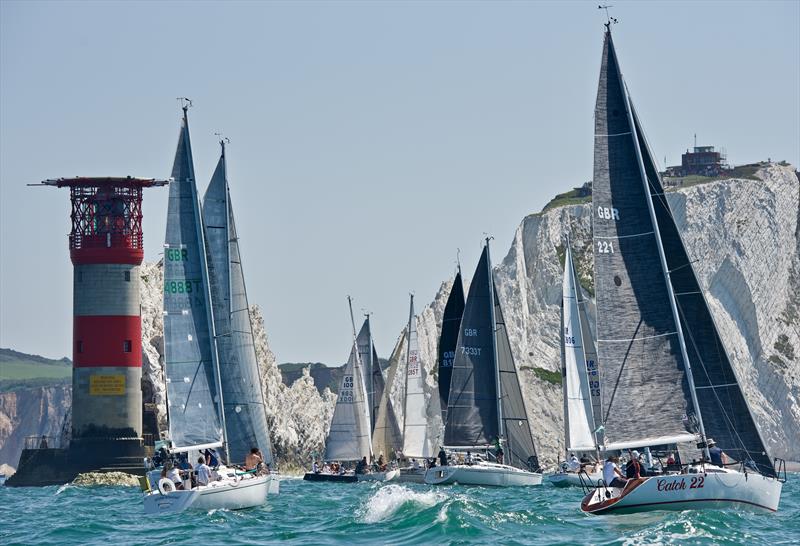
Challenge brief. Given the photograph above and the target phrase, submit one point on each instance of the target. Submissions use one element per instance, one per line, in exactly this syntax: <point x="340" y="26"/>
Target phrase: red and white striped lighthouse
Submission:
<point x="106" y="248"/>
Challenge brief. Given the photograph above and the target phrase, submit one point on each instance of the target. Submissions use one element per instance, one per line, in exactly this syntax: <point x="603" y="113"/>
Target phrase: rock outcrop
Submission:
<point x="31" y="412"/>
<point x="298" y="415"/>
<point x="744" y="239"/>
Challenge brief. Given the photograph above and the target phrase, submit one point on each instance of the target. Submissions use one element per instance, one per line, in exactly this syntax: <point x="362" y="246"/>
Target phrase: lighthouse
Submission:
<point x="106" y="248"/>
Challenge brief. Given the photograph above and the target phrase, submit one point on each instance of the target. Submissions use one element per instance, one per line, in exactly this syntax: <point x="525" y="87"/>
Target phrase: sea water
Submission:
<point x="371" y="513"/>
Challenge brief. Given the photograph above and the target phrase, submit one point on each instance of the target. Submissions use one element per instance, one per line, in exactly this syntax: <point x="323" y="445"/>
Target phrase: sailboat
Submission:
<point x="194" y="393"/>
<point x="451" y="325"/>
<point x="419" y="436"/>
<point x="350" y="435"/>
<point x="579" y="368"/>
<point x="485" y="404"/>
<point x="665" y="375"/>
<point x="244" y="407"/>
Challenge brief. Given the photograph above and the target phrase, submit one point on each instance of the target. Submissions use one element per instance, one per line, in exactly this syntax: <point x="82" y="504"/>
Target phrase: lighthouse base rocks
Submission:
<point x="53" y="466"/>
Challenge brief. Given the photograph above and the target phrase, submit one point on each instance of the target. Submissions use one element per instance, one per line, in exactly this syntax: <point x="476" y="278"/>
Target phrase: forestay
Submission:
<point x="578" y="417"/>
<point x="644" y="387"/>
<point x="451" y="323"/>
<point x="472" y="418"/>
<point x="349" y="438"/>
<point x="188" y="332"/>
<point x="245" y="413"/>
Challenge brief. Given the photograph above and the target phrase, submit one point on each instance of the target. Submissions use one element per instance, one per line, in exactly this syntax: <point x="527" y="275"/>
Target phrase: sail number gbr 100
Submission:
<point x="346" y="392"/>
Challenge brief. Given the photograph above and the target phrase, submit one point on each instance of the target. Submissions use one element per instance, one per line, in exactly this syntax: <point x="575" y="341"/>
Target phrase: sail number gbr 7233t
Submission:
<point x="470" y="351"/>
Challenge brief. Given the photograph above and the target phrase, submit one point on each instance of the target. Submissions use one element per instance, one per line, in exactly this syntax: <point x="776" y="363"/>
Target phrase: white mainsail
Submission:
<point x="418" y="437"/>
<point x="578" y="418"/>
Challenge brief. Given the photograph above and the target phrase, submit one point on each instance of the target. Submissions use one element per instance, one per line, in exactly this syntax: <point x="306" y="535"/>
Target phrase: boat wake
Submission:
<point x="388" y="500"/>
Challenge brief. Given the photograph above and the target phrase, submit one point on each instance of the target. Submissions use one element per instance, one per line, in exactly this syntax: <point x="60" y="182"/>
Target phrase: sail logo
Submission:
<point x="608" y="213"/>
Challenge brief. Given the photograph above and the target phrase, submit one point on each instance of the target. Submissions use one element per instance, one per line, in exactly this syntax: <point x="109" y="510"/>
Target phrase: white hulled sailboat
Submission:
<point x="194" y="391"/>
<point x="665" y="375"/>
<point x="579" y="381"/>
<point x="485" y="405"/>
<point x="350" y="436"/>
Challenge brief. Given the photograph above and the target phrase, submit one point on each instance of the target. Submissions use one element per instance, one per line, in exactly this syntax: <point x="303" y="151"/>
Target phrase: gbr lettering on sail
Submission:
<point x="606" y="213"/>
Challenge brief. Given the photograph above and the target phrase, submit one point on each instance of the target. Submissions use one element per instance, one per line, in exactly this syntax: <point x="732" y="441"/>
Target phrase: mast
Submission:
<point x="408" y="357"/>
<point x="500" y="422"/>
<point x="214" y="349"/>
<point x="564" y="386"/>
<point x="665" y="269"/>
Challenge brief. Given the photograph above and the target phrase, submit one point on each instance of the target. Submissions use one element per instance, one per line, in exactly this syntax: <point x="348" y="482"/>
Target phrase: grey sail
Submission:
<point x="451" y="324"/>
<point x="644" y="386"/>
<point x="371" y="368"/>
<point x="472" y="418"/>
<point x="727" y="417"/>
<point x="387" y="438"/>
<point x="519" y="449"/>
<point x="245" y="412"/>
<point x="189" y="352"/>
<point x="349" y="437"/>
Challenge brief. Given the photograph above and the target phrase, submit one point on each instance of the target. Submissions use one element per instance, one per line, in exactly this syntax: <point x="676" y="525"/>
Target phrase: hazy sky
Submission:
<point x="369" y="139"/>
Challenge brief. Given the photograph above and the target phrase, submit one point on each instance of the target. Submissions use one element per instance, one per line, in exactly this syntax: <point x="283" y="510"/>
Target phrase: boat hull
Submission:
<point x="226" y="494"/>
<point x="711" y="490"/>
<point x="569" y="479"/>
<point x="490" y="474"/>
<point x="411" y="475"/>
<point x="335" y="478"/>
<point x="379" y="476"/>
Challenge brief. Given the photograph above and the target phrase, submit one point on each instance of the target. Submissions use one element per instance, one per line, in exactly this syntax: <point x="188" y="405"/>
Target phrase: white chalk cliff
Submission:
<point x="744" y="238"/>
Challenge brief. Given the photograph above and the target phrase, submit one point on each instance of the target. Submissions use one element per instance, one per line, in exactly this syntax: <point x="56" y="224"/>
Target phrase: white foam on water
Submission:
<point x="64" y="487"/>
<point x="390" y="498"/>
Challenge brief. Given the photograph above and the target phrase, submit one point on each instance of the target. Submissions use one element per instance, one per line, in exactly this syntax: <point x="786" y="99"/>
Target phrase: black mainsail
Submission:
<point x="485" y="404"/>
<point x="189" y="351"/>
<point x="451" y="324"/>
<point x="472" y="409"/>
<point x="245" y="411"/>
<point x="644" y="281"/>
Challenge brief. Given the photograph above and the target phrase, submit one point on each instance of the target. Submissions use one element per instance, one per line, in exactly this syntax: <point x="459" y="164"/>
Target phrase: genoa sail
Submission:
<point x="451" y="324"/>
<point x="472" y="409"/>
<point x="579" y="423"/>
<point x="245" y="412"/>
<point x="371" y="370"/>
<point x="349" y="438"/>
<point x="189" y="350"/>
<point x="637" y="338"/>
<point x="418" y="436"/>
<point x="520" y="451"/>
<point x="729" y="420"/>
<point x="387" y="438"/>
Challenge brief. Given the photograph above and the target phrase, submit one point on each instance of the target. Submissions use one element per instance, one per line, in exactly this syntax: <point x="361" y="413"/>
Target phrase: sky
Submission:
<point x="369" y="140"/>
